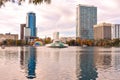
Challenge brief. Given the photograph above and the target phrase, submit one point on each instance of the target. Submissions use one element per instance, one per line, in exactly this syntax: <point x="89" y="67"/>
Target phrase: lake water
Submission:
<point x="72" y="63"/>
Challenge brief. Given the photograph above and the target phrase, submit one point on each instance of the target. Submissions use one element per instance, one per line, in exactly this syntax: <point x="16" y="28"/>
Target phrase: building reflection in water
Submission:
<point x="117" y="61"/>
<point x="22" y="57"/>
<point x="116" y="58"/>
<point x="107" y="61"/>
<point x="28" y="61"/>
<point x="88" y="70"/>
<point x="103" y="59"/>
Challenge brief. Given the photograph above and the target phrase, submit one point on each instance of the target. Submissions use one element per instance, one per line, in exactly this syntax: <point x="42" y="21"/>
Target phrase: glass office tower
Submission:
<point x="31" y="23"/>
<point x="86" y="19"/>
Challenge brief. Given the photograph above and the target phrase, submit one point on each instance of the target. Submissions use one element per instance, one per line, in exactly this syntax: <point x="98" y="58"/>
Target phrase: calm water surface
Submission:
<point x="72" y="63"/>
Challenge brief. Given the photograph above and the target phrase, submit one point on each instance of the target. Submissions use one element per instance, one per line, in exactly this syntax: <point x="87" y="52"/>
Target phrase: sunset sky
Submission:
<point x="59" y="16"/>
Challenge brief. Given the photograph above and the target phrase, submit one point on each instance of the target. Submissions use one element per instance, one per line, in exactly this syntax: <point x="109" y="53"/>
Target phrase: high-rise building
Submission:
<point x="56" y="35"/>
<point x="22" y="26"/>
<point x="102" y="31"/>
<point x="86" y="18"/>
<point x="31" y="23"/>
<point x="27" y="33"/>
<point x="115" y="31"/>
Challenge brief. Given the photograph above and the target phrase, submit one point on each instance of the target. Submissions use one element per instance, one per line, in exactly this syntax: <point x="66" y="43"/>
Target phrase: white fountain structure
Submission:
<point x="56" y="42"/>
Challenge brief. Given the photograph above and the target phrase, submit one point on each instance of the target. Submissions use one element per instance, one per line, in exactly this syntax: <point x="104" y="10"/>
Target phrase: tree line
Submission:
<point x="77" y="42"/>
<point x="11" y="42"/>
<point x="101" y="42"/>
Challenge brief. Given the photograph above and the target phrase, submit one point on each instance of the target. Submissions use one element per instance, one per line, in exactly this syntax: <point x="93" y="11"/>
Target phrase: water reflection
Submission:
<point x="115" y="58"/>
<point x="28" y="61"/>
<point x="116" y="61"/>
<point x="107" y="60"/>
<point x="103" y="59"/>
<point x="87" y="65"/>
<point x="22" y="57"/>
<point x="72" y="63"/>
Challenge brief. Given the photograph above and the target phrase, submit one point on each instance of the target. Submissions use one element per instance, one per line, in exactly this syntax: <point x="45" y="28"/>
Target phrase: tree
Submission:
<point x="78" y="41"/>
<point x="30" y="1"/>
<point x="47" y="40"/>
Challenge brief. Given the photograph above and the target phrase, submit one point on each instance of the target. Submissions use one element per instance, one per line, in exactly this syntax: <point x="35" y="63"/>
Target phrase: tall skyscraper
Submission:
<point x="86" y="19"/>
<point x="22" y="26"/>
<point x="31" y="23"/>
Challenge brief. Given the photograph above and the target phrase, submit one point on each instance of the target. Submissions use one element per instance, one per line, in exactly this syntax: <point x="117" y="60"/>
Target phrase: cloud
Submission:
<point x="60" y="15"/>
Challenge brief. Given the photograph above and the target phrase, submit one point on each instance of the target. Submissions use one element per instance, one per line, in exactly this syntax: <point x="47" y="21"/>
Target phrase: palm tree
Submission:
<point x="30" y="1"/>
<point x="39" y="1"/>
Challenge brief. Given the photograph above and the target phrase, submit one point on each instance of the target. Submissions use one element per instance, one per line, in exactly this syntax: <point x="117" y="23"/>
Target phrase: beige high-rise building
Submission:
<point x="8" y="36"/>
<point x="102" y="31"/>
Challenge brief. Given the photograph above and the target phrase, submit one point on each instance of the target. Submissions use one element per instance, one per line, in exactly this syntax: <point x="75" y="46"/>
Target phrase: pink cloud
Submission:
<point x="60" y="15"/>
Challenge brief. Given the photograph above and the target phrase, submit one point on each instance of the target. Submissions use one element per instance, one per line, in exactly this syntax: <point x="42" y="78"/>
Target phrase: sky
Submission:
<point x="59" y="16"/>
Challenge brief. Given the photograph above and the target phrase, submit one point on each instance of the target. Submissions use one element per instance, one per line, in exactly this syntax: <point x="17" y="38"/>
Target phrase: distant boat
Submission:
<point x="57" y="44"/>
<point x="3" y="46"/>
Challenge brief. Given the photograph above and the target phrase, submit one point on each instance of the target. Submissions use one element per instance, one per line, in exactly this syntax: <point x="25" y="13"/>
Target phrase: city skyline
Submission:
<point x="55" y="16"/>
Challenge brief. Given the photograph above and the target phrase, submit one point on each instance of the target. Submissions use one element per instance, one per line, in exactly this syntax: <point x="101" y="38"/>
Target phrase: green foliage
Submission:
<point x="80" y="42"/>
<point x="47" y="40"/>
<point x="77" y="42"/>
<point x="30" y="1"/>
<point x="39" y="1"/>
<point x="4" y="42"/>
<point x="1" y="3"/>
<point x="107" y="43"/>
<point x="10" y="42"/>
<point x="115" y="42"/>
<point x="102" y="42"/>
<point x="72" y="42"/>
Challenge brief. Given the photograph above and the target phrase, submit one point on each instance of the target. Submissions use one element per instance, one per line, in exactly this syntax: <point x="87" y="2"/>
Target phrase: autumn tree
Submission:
<point x="47" y="40"/>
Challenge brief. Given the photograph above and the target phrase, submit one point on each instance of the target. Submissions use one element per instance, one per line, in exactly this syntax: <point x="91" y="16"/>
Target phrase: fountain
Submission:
<point x="56" y="42"/>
